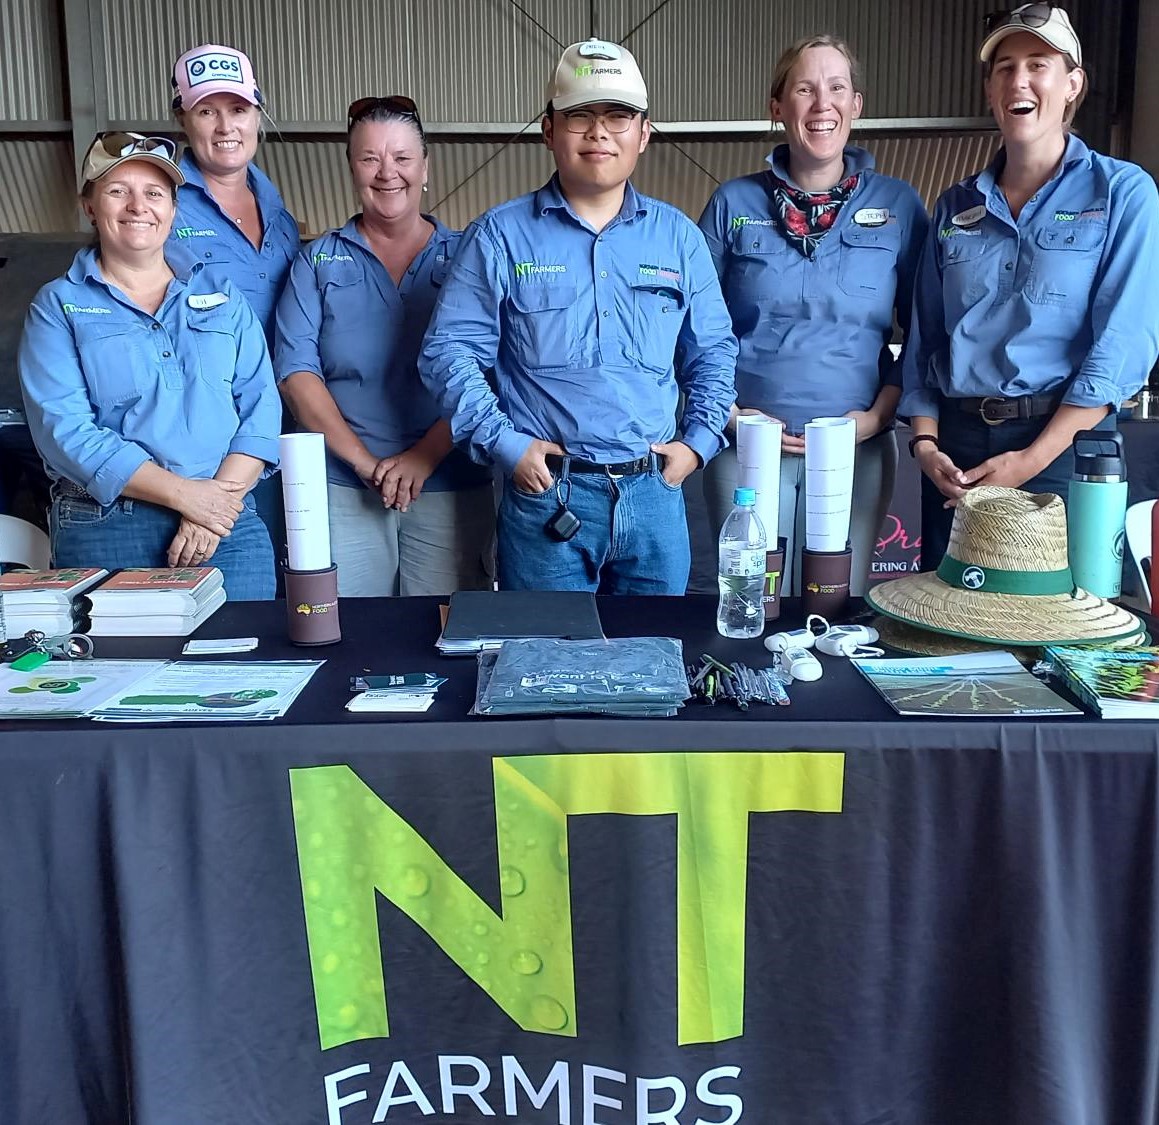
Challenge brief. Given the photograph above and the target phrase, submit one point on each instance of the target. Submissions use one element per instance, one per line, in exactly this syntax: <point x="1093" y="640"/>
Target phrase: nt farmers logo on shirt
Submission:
<point x="534" y="271"/>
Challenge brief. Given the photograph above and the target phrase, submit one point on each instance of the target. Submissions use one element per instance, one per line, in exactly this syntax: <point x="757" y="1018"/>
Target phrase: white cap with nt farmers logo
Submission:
<point x="597" y="71"/>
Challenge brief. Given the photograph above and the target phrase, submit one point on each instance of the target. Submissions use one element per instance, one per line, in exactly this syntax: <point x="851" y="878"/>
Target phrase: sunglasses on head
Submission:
<point x="396" y="103"/>
<point x="118" y="144"/>
<point x="1032" y="15"/>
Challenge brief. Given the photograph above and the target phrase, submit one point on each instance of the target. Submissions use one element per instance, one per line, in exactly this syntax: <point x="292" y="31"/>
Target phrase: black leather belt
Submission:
<point x="619" y="469"/>
<point x="995" y="410"/>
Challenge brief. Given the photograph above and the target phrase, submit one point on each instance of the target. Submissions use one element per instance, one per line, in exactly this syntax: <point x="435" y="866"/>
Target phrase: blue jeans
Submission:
<point x="135" y="533"/>
<point x="633" y="537"/>
<point x="969" y="440"/>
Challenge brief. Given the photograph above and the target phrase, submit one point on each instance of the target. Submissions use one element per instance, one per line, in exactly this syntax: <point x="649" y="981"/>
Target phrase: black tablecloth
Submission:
<point x="819" y="913"/>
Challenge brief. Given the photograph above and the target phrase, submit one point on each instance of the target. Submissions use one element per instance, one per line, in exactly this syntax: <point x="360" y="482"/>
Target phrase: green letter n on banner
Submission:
<point x="351" y="844"/>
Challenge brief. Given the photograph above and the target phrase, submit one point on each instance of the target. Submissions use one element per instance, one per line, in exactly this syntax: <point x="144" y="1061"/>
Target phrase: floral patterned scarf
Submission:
<point x="806" y="216"/>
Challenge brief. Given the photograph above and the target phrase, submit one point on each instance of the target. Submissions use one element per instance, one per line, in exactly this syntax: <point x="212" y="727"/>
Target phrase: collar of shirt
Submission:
<point x="550" y="197"/>
<point x="856" y="160"/>
<point x="350" y="233"/>
<point x="268" y="197"/>
<point x="84" y="268"/>
<point x="1076" y="152"/>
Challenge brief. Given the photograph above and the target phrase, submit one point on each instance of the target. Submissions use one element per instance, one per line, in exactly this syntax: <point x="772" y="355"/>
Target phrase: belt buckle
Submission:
<point x="613" y="476"/>
<point x="982" y="411"/>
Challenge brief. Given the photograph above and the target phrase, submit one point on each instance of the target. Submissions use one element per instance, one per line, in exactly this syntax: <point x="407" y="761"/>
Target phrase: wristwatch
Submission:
<point x="913" y="442"/>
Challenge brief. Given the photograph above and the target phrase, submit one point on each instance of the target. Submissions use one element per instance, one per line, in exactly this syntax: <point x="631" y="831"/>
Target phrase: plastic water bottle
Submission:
<point x="741" y="570"/>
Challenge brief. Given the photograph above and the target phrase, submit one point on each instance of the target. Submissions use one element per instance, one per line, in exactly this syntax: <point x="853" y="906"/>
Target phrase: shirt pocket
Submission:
<point x="340" y="312"/>
<point x="1065" y="260"/>
<point x="113" y="361"/>
<point x="657" y="314"/>
<point x="215" y="345"/>
<point x="867" y="261"/>
<point x="542" y="325"/>
<point x="964" y="267"/>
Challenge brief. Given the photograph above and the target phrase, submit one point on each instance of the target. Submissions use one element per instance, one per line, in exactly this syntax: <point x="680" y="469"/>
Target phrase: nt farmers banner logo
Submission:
<point x="352" y="844"/>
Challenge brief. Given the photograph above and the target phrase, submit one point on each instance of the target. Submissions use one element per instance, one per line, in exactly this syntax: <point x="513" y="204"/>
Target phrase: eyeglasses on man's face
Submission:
<point x="614" y="120"/>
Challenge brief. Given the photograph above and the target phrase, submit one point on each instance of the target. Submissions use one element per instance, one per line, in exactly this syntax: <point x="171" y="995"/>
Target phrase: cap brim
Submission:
<point x="167" y="166"/>
<point x="928" y="602"/>
<point x="998" y="34"/>
<point x="603" y="97"/>
<point x="209" y="88"/>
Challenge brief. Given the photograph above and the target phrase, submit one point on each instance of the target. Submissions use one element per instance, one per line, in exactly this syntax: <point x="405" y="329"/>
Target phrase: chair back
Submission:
<point x="1138" y="532"/>
<point x="23" y="544"/>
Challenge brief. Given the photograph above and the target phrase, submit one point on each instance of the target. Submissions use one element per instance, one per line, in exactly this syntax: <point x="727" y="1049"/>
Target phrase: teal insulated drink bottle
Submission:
<point x="1096" y="512"/>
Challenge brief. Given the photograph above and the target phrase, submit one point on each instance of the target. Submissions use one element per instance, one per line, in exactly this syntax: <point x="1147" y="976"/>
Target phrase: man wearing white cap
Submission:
<point x="578" y="298"/>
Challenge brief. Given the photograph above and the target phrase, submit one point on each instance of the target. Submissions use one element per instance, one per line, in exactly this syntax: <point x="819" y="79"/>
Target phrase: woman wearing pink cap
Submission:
<point x="230" y="217"/>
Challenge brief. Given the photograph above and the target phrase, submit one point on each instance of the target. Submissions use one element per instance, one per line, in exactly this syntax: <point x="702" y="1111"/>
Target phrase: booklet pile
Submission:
<point x="144" y="691"/>
<point x="49" y="600"/>
<point x="144" y="602"/>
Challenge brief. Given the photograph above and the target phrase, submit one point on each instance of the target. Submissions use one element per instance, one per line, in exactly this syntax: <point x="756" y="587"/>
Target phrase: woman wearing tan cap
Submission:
<point x="1035" y="303"/>
<point x="148" y="389"/>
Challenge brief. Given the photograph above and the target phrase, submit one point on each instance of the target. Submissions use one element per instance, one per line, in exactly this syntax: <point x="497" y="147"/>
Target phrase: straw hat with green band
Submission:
<point x="1005" y="579"/>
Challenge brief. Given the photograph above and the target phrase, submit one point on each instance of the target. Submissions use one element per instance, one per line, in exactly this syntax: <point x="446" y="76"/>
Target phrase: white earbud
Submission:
<point x="844" y="640"/>
<point x="800" y="664"/>
<point x="815" y="626"/>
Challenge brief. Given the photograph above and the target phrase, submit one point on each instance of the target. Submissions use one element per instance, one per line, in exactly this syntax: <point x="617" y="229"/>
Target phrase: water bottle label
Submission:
<point x="745" y="563"/>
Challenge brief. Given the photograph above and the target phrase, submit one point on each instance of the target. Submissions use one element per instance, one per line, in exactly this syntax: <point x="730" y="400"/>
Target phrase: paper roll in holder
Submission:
<point x="311" y="590"/>
<point x="312" y="606"/>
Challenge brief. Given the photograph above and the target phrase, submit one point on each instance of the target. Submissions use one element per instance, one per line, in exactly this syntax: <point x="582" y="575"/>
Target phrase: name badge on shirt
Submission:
<point x="871" y="216"/>
<point x="969" y="218"/>
<point x="206" y="300"/>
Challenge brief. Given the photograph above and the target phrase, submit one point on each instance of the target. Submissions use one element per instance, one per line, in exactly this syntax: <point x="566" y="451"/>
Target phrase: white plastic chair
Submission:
<point x="23" y="543"/>
<point x="1138" y="533"/>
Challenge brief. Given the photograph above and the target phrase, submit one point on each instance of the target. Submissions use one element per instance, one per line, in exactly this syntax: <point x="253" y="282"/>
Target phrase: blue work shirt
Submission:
<point x="580" y="329"/>
<point x="1061" y="299"/>
<point x="814" y="332"/>
<point x="107" y="386"/>
<point x="342" y="318"/>
<point x="203" y="232"/>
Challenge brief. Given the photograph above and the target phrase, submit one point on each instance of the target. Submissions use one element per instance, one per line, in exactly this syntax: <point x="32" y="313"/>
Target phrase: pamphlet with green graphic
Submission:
<point x="974" y="685"/>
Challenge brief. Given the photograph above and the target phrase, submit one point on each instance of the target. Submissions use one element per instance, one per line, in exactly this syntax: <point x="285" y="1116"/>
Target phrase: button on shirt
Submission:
<point x="581" y="330"/>
<point x="814" y="332"/>
<point x="108" y="387"/>
<point x="342" y="318"/>
<point x="1061" y="299"/>
<point x="203" y="232"/>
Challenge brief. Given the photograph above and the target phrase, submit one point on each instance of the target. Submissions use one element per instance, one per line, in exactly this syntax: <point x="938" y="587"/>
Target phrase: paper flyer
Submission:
<point x="303" y="463"/>
<point x="67" y="689"/>
<point x="830" y="445"/>
<point x="758" y="458"/>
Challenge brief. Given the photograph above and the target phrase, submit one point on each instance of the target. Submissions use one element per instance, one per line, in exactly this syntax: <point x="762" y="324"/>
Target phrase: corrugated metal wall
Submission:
<point x="316" y="183"/>
<point x="31" y="88"/>
<point x="483" y="61"/>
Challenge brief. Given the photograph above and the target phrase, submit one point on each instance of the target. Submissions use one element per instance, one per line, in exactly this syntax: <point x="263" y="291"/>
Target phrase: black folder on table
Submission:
<point x="479" y="619"/>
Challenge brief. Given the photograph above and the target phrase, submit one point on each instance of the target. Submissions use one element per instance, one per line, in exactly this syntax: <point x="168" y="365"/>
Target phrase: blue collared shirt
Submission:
<point x="581" y="330"/>
<point x="1061" y="299"/>
<point x="814" y="332"/>
<point x="108" y="387"/>
<point x="203" y="232"/>
<point x="342" y="318"/>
